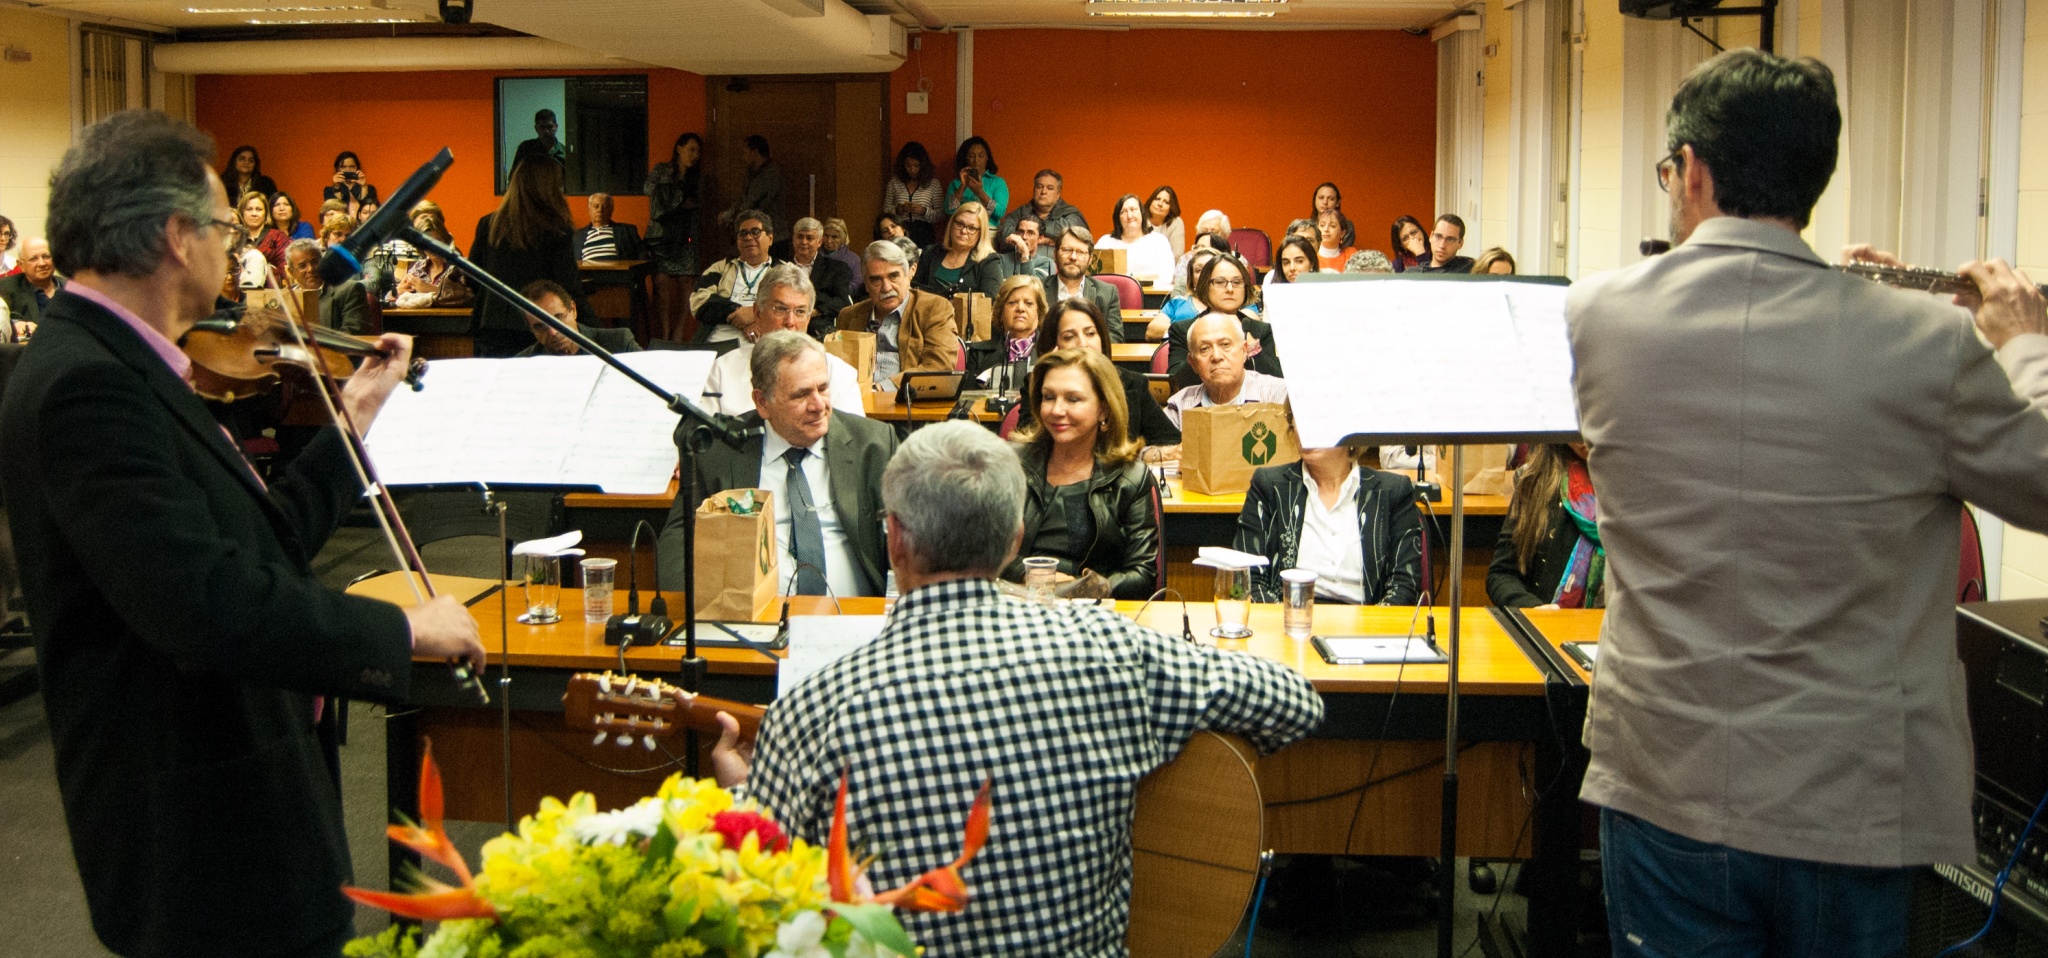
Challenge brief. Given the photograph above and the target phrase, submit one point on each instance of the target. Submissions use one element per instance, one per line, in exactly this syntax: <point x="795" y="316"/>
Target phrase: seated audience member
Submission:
<point x="1355" y="527"/>
<point x="1216" y="355"/>
<point x="976" y="181"/>
<point x="244" y="173"/>
<point x="254" y="212"/>
<point x="1496" y="261"/>
<point x="1368" y="261"/>
<point x="363" y="212"/>
<point x="334" y="229"/>
<point x="1148" y="258"/>
<point x="1183" y="304"/>
<point x="964" y="260"/>
<point x="914" y="196"/>
<point x="605" y="240"/>
<point x="1058" y="214"/>
<point x="982" y="669"/>
<point x="1224" y="288"/>
<point x="246" y="264"/>
<point x="343" y="306"/>
<point x="914" y="330"/>
<point x="1026" y="251"/>
<point x="1002" y="360"/>
<point x="1162" y="213"/>
<point x="284" y="215"/>
<point x="430" y="281"/>
<point x="1089" y="502"/>
<point x="1333" y="238"/>
<point x="1294" y="257"/>
<point x="1074" y="253"/>
<point x="1327" y="199"/>
<point x="1212" y="223"/>
<point x="10" y="263"/>
<point x="887" y="227"/>
<point x="805" y="250"/>
<point x="1410" y="244"/>
<point x="1549" y="554"/>
<point x="786" y="302"/>
<point x="1078" y="324"/>
<point x="393" y="257"/>
<point x="822" y="471"/>
<point x="1444" y="242"/>
<point x="549" y="295"/>
<point x="733" y="282"/>
<point x="28" y="292"/>
<point x="350" y="185"/>
<point x="837" y="247"/>
<point x="330" y="207"/>
<point x="1304" y="228"/>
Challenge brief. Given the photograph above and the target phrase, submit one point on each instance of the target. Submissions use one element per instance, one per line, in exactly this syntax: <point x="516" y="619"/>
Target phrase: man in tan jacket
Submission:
<point x="914" y="330"/>
<point x="1782" y="453"/>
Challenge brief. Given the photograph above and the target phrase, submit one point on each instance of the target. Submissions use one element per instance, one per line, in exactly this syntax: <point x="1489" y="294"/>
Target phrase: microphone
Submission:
<point x="344" y="260"/>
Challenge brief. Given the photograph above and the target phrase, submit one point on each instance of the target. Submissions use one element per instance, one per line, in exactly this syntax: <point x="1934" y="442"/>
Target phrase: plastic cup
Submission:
<point x="541" y="589"/>
<point x="599" y="575"/>
<point x="1041" y="574"/>
<point x="1298" y="602"/>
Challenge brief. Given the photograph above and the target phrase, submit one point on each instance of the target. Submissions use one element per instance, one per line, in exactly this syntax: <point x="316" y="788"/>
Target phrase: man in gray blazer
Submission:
<point x="829" y="530"/>
<point x="1782" y="451"/>
<point x="1073" y="251"/>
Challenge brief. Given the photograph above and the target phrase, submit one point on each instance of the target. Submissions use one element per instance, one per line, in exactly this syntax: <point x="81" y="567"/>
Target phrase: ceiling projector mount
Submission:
<point x="1686" y="11"/>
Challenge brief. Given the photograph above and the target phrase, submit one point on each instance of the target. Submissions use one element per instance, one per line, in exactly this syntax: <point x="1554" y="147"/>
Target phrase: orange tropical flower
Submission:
<point x="938" y="890"/>
<point x="435" y="901"/>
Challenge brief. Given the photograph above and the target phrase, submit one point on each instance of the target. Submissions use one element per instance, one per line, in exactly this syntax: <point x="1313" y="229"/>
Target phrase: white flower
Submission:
<point x="619" y="827"/>
<point x="801" y="937"/>
<point x="859" y="947"/>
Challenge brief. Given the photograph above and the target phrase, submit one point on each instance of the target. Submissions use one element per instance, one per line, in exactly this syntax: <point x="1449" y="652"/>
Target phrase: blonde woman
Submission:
<point x="1088" y="501"/>
<point x="963" y="260"/>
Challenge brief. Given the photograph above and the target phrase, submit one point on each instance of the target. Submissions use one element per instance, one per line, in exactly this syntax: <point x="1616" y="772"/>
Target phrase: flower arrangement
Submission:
<point x="682" y="873"/>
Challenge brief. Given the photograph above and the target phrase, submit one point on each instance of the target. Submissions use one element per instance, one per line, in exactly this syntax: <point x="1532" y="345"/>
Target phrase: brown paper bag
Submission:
<point x="736" y="558"/>
<point x="1221" y="446"/>
<point x="1486" y="470"/>
<point x="1112" y="261"/>
<point x="856" y="348"/>
<point x="972" y="316"/>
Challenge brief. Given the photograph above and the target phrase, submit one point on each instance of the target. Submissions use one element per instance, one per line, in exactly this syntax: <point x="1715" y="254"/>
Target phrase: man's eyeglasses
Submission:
<point x="1667" y="169"/>
<point x="779" y="310"/>
<point x="752" y="232"/>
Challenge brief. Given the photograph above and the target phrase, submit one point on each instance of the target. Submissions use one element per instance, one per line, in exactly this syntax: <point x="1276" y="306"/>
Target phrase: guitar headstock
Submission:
<point x="626" y="708"/>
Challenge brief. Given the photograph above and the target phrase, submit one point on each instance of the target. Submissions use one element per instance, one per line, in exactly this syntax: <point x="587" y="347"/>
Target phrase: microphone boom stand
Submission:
<point x="696" y="431"/>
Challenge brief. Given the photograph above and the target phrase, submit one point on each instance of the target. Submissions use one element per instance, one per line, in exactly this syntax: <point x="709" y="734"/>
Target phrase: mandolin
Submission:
<point x="627" y="708"/>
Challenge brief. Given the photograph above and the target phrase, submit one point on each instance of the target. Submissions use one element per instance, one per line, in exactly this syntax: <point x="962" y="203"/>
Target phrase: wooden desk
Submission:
<point x="884" y="406"/>
<point x="1136" y="355"/>
<point x="617" y="290"/>
<point x="437" y="332"/>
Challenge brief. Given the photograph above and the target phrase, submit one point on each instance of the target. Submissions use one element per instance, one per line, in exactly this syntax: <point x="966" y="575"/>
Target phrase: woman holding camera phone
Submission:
<point x="976" y="181"/>
<point x="350" y="185"/>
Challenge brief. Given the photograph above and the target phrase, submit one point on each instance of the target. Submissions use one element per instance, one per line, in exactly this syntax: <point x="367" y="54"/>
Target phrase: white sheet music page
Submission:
<point x="1422" y="358"/>
<point x="625" y="442"/>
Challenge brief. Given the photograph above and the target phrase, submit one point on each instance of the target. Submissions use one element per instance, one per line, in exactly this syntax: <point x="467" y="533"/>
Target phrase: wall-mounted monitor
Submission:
<point x="596" y="126"/>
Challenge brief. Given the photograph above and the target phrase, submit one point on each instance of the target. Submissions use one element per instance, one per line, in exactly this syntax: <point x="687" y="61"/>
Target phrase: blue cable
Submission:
<point x="1258" y="898"/>
<point x="2019" y="845"/>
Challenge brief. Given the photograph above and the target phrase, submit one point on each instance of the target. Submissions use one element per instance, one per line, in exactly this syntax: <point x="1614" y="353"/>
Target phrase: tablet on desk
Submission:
<point x="1584" y="653"/>
<point x="1391" y="649"/>
<point x="926" y="387"/>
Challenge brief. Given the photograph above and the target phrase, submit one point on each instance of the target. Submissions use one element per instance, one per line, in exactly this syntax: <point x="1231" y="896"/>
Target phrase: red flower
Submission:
<point x="734" y="827"/>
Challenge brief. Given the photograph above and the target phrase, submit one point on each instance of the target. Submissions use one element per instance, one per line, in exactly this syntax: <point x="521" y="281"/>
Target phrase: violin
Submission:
<point x="238" y="356"/>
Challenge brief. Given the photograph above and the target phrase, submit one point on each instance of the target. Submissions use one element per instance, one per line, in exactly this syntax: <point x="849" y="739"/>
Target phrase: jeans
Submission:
<point x="1668" y="895"/>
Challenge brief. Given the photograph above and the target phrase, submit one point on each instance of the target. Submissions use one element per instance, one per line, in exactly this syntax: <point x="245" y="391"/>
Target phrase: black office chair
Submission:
<point x="457" y="537"/>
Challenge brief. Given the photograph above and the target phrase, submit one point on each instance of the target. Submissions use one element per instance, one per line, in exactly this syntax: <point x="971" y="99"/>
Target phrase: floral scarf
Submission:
<point x="1583" y="585"/>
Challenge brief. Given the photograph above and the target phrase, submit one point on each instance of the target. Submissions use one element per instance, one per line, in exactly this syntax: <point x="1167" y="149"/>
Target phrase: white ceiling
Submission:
<point x="747" y="36"/>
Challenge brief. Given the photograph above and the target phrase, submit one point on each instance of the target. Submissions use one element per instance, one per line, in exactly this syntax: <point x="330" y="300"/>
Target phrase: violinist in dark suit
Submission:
<point x="184" y="641"/>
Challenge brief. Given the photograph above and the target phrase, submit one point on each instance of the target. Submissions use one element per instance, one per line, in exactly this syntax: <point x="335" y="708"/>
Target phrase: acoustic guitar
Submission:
<point x="1196" y="835"/>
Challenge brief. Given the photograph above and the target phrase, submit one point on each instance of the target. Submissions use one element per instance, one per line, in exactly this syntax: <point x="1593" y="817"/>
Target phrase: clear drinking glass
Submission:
<point x="599" y="575"/>
<point x="1233" y="604"/>
<point x="541" y="588"/>
<point x="1041" y="573"/>
<point x="1298" y="602"/>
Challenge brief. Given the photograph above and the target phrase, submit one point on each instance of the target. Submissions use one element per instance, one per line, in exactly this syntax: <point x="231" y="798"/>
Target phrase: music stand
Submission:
<point x="1511" y="384"/>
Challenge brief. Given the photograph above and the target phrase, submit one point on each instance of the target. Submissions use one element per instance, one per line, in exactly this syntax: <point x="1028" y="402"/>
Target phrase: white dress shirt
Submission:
<point x="839" y="562"/>
<point x="1330" y="543"/>
<point x="732" y="379"/>
<point x="1257" y="387"/>
<point x="1149" y="260"/>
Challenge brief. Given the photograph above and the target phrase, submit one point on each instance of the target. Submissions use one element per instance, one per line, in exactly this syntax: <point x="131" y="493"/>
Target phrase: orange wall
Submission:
<point x="936" y="61"/>
<point x="1244" y="122"/>
<point x="397" y="121"/>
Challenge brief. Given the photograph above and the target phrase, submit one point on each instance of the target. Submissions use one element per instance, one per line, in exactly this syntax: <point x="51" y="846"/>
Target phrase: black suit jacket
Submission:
<point x="1389" y="530"/>
<point x="345" y="307"/>
<point x="856" y="450"/>
<point x="1103" y="295"/>
<point x="625" y="236"/>
<point x="181" y="636"/>
<point x="20" y="295"/>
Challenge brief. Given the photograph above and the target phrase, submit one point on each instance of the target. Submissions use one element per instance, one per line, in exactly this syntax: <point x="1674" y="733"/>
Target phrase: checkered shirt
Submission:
<point x="1064" y="708"/>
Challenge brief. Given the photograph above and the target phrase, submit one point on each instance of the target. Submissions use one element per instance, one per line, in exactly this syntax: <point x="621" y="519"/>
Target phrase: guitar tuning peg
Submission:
<point x="648" y="741"/>
<point x="604" y="683"/>
<point x="632" y="682"/>
<point x="599" y="740"/>
<point x="625" y="739"/>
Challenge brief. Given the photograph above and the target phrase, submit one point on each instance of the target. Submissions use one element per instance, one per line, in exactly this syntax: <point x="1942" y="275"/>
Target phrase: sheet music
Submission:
<point x="1421" y="358"/>
<point x="539" y="420"/>
<point x="816" y="641"/>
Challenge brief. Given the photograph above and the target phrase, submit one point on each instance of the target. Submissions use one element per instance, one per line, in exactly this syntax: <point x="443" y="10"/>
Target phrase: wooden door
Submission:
<point x="797" y="118"/>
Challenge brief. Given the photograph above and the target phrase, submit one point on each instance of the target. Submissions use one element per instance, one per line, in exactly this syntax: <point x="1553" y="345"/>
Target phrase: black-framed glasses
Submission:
<point x="1667" y="168"/>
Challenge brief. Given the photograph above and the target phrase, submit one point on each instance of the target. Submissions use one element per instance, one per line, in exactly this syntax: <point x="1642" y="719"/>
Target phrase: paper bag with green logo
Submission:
<point x="856" y="348"/>
<point x="736" y="555"/>
<point x="1222" y="445"/>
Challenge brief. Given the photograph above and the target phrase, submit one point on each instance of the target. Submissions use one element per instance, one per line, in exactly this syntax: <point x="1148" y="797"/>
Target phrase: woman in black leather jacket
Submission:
<point x="1382" y="506"/>
<point x="1088" y="501"/>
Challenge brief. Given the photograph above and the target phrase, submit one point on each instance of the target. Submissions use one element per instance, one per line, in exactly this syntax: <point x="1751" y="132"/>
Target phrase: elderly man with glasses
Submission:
<point x="785" y="303"/>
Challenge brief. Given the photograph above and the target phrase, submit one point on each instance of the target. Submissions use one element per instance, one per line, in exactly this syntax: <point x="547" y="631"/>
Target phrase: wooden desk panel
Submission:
<point x="1558" y="626"/>
<point x="437" y="332"/>
<point x="883" y="406"/>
